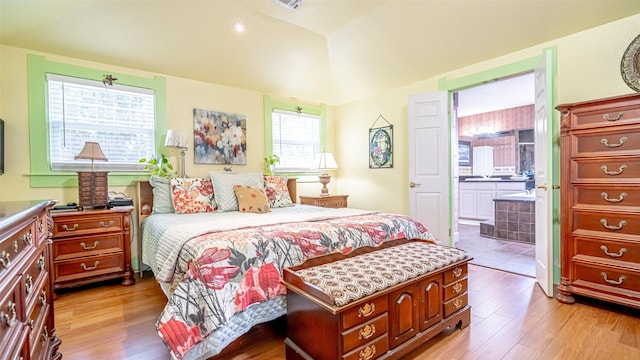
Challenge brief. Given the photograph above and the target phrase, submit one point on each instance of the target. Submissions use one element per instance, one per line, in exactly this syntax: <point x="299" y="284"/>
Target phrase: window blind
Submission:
<point x="120" y="118"/>
<point x="296" y="139"/>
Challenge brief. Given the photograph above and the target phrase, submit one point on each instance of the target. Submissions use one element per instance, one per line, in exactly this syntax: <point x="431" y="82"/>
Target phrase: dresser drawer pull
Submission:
<point x="619" y="254"/>
<point x="368" y="352"/>
<point x="609" y="118"/>
<point x="74" y="228"/>
<point x="10" y="321"/>
<point x="16" y="247"/>
<point x="28" y="283"/>
<point x="41" y="263"/>
<point x="43" y="298"/>
<point x="5" y="259"/>
<point x="605" y="196"/>
<point x="457" y="303"/>
<point x="40" y="228"/>
<point x="613" y="173"/>
<point x="85" y="247"/>
<point x="106" y="225"/>
<point x="367" y="332"/>
<point x="605" y="142"/>
<point x="457" y="272"/>
<point x="621" y="224"/>
<point x="45" y="334"/>
<point x="28" y="238"/>
<point x="89" y="268"/>
<point x="31" y="324"/>
<point x="366" y="310"/>
<point x="621" y="279"/>
<point x="457" y="288"/>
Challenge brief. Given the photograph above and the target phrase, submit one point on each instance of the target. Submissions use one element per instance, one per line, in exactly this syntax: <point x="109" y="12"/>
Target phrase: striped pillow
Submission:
<point x="223" y="183"/>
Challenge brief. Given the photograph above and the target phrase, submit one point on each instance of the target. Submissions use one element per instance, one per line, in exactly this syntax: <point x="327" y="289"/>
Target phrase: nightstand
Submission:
<point x="331" y="201"/>
<point x="90" y="246"/>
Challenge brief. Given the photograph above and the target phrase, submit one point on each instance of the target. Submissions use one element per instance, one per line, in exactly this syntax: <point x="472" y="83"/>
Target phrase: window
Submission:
<point x="120" y="118"/>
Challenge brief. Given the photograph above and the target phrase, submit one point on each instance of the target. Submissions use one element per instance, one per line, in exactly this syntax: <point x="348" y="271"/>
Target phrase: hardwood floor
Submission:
<point x="511" y="319"/>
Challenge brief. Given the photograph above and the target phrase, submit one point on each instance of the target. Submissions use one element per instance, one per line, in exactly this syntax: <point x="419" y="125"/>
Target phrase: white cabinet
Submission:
<point x="476" y="197"/>
<point x="482" y="160"/>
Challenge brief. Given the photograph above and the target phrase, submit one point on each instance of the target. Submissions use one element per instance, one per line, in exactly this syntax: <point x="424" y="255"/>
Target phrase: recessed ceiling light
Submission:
<point x="238" y="26"/>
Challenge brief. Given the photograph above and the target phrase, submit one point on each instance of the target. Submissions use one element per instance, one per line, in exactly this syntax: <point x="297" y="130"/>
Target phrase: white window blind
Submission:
<point x="120" y="118"/>
<point x="296" y="140"/>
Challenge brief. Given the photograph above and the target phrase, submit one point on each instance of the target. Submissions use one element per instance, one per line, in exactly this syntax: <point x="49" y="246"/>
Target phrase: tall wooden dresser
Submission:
<point x="600" y="200"/>
<point x="27" y="328"/>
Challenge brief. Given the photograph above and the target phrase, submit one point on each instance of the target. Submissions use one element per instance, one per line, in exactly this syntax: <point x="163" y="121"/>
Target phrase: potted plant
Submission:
<point x="269" y="163"/>
<point x="159" y="165"/>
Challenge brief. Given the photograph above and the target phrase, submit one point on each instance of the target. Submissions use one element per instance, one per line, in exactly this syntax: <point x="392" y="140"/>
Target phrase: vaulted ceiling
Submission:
<point x="325" y="51"/>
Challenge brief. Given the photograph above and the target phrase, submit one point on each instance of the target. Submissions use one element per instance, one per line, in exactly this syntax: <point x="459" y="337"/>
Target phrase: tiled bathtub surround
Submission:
<point x="515" y="220"/>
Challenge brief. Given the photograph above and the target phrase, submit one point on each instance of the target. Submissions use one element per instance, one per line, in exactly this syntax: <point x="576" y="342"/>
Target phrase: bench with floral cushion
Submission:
<point x="376" y="302"/>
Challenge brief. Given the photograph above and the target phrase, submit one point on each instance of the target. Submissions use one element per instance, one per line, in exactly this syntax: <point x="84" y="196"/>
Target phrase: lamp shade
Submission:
<point x="91" y="151"/>
<point x="176" y="139"/>
<point x="326" y="161"/>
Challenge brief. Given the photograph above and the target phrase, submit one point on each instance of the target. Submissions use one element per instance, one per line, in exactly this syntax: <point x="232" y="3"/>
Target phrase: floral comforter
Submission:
<point x="221" y="275"/>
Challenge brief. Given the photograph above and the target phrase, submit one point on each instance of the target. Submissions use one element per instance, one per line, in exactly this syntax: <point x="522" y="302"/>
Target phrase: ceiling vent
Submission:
<point x="291" y="4"/>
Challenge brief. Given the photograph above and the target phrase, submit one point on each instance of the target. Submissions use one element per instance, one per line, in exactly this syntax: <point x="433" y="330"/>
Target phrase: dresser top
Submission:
<point x="12" y="212"/>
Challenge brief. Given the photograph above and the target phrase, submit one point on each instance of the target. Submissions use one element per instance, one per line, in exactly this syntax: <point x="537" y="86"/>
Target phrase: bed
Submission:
<point x="221" y="270"/>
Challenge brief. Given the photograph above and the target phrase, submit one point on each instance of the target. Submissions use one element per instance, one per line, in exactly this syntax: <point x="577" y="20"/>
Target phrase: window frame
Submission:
<point x="270" y="105"/>
<point x="41" y="174"/>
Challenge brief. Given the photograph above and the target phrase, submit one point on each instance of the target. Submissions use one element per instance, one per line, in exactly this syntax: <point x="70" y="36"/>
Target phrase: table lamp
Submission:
<point x="326" y="161"/>
<point x="178" y="139"/>
<point x="93" y="188"/>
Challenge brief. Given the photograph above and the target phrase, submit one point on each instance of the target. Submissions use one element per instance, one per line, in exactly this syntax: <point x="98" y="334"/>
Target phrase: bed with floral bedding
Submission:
<point x="221" y="270"/>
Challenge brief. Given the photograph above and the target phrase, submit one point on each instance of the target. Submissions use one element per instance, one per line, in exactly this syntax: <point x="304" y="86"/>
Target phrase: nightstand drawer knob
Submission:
<point x="106" y="225"/>
<point x="89" y="268"/>
<point x="74" y="228"/>
<point x="85" y="247"/>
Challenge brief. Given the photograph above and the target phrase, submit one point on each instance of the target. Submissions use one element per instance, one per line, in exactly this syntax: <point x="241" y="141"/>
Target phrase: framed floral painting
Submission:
<point x="381" y="147"/>
<point x="219" y="137"/>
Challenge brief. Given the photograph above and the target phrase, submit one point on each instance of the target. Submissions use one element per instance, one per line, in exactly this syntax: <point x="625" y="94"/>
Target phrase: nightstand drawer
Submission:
<point x="88" y="267"/>
<point x="72" y="248"/>
<point x="331" y="201"/>
<point x="86" y="225"/>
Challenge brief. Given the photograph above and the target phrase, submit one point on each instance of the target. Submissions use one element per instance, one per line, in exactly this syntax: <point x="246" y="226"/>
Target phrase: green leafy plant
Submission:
<point x="159" y="165"/>
<point x="269" y="162"/>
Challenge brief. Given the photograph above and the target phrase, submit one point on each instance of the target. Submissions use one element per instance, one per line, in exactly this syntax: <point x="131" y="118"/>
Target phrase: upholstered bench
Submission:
<point x="376" y="302"/>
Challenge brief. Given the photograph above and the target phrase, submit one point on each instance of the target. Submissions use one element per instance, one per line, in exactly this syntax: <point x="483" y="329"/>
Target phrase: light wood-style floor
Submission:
<point x="511" y="319"/>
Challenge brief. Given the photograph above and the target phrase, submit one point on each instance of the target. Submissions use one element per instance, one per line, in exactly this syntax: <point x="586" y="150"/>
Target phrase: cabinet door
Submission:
<point x="485" y="204"/>
<point x="403" y="317"/>
<point x="430" y="302"/>
<point x="468" y="204"/>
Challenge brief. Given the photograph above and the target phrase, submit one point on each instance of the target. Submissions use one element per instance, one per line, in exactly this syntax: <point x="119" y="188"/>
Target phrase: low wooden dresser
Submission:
<point x="90" y="246"/>
<point x="600" y="207"/>
<point x="27" y="329"/>
<point x="330" y="201"/>
<point x="376" y="302"/>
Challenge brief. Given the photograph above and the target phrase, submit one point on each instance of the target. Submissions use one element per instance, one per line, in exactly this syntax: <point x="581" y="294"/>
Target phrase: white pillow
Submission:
<point x="223" y="183"/>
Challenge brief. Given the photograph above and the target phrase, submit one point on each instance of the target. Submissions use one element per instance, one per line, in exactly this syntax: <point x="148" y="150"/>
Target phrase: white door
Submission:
<point x="543" y="175"/>
<point x="429" y="177"/>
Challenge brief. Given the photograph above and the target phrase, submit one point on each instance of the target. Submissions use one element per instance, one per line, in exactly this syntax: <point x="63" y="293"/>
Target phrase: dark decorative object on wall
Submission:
<point x="381" y="145"/>
<point x="630" y="65"/>
<point x="464" y="153"/>
<point x="219" y="138"/>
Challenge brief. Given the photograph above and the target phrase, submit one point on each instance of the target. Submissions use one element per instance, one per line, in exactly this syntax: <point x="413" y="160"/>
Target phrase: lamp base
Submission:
<point x="324" y="180"/>
<point x="93" y="189"/>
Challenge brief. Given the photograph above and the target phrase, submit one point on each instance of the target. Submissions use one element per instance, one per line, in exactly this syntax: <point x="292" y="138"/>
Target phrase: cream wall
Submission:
<point x="588" y="68"/>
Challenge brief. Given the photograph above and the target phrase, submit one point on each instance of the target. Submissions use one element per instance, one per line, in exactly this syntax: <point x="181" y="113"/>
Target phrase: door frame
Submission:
<point x="515" y="68"/>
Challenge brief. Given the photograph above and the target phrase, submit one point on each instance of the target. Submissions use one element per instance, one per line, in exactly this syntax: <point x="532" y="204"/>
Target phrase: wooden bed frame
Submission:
<point x="274" y="329"/>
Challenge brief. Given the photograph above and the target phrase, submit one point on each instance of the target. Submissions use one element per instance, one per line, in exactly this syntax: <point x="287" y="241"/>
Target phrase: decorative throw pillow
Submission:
<point x="192" y="195"/>
<point x="251" y="199"/>
<point x="223" y="182"/>
<point x="162" y="203"/>
<point x="277" y="192"/>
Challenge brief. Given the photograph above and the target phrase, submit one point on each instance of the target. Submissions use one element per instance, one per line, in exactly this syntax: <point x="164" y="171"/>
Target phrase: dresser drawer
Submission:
<point x="608" y="223"/>
<point x="42" y="228"/>
<point x="88" y="267"/>
<point x="455" y="274"/>
<point x="371" y="351"/>
<point x="364" y="312"/>
<point x="604" y="115"/>
<point x="455" y="304"/>
<point x="621" y="141"/>
<point x="71" y="248"/>
<point x="455" y="289"/>
<point x="16" y="246"/>
<point x="36" y="320"/>
<point x="16" y="348"/>
<point x="623" y="198"/>
<point x="364" y="333"/>
<point x="11" y="311"/>
<point x="36" y="275"/>
<point x="607" y="170"/>
<point x="86" y="224"/>
<point x="610" y="249"/>
<point x="608" y="279"/>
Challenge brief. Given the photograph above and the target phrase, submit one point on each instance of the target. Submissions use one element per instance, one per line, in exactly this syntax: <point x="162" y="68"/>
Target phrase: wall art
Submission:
<point x="381" y="145"/>
<point x="219" y="137"/>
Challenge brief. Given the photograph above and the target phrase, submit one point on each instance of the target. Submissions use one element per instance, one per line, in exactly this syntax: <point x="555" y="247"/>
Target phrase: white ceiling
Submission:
<point x="497" y="95"/>
<point x="326" y="51"/>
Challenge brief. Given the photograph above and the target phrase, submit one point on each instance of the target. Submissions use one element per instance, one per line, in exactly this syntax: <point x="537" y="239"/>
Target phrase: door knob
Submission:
<point x="543" y="186"/>
<point x="412" y="185"/>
